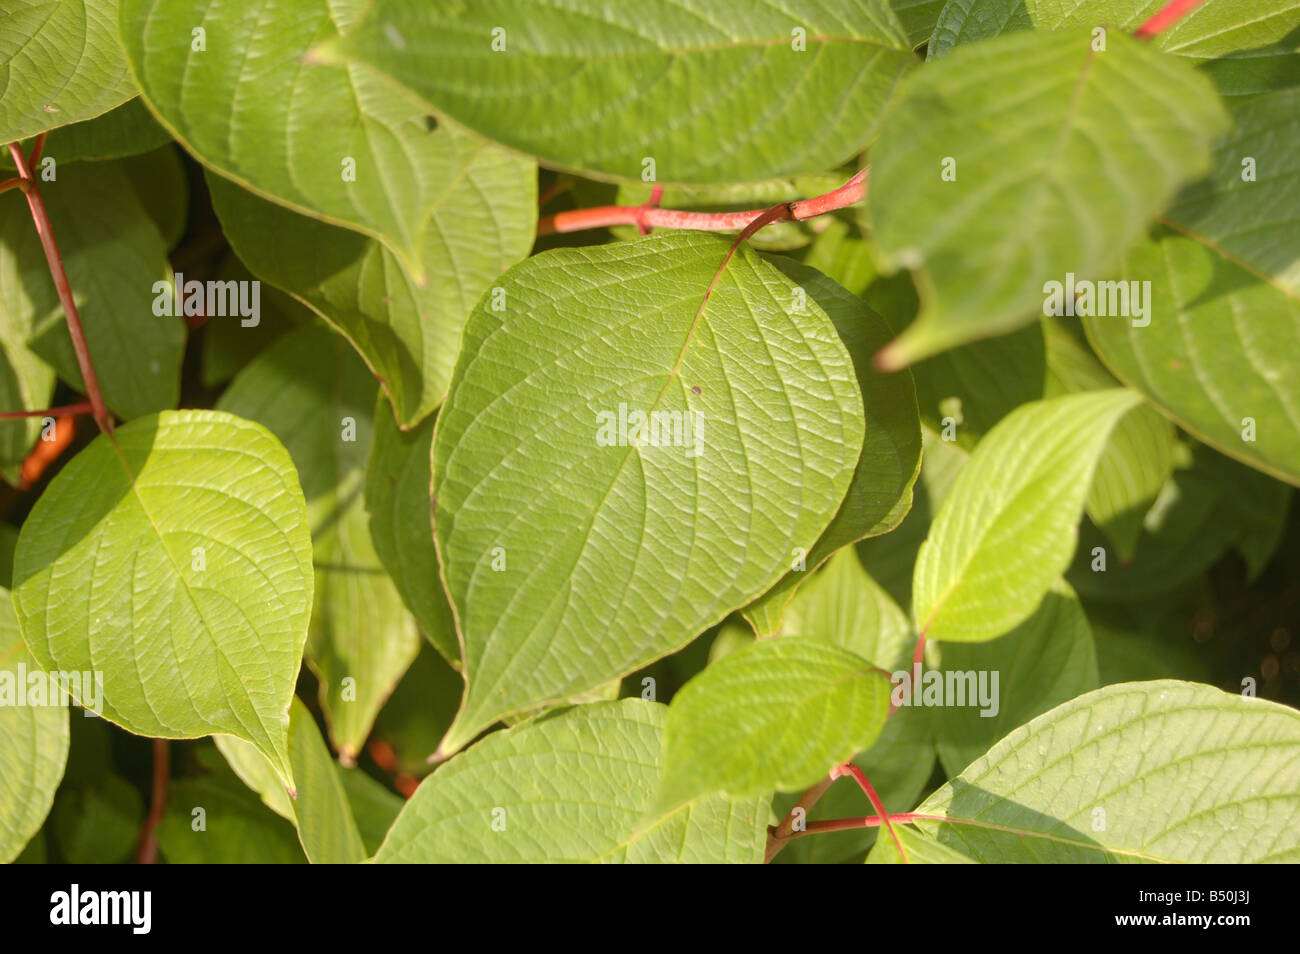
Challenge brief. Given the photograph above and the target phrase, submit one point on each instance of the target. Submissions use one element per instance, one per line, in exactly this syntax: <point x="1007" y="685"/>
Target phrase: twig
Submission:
<point x="55" y="262"/>
<point x="1166" y="17"/>
<point x="853" y="769"/>
<point x="648" y="216"/>
<point x="778" y="837"/>
<point x="157" y="802"/>
<point x="82" y="408"/>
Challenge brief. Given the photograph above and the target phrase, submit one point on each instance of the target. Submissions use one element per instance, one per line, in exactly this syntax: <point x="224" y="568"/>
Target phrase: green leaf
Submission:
<point x="590" y="87"/>
<point x="398" y="485"/>
<point x="163" y="189"/>
<point x="1045" y="661"/>
<point x="236" y="828"/>
<point x="1139" y="458"/>
<point x="776" y="715"/>
<point x="918" y="18"/>
<point x="881" y="491"/>
<point x="1061" y="176"/>
<point x="312" y="392"/>
<point x="572" y="554"/>
<point x="843" y="605"/>
<point x="374" y="807"/>
<point x="114" y="255"/>
<point x="889" y="559"/>
<point x="1007" y="529"/>
<point x="341" y="144"/>
<point x="33" y="743"/>
<point x="483" y="220"/>
<point x="175" y="558"/>
<point x="1149" y="771"/>
<point x="569" y="787"/>
<point x="1245" y="46"/>
<point x="128" y="130"/>
<point x="229" y="345"/>
<point x="60" y="63"/>
<point x="320" y="808"/>
<point x="1220" y="354"/>
<point x="99" y="822"/>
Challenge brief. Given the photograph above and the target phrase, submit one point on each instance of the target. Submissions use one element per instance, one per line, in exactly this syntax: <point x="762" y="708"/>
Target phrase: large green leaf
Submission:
<point x="1220" y="355"/>
<point x="569" y="787"/>
<point x="1046" y="660"/>
<point x="1146" y="771"/>
<point x="312" y="392"/>
<point x="60" y="63"/>
<point x="1060" y="176"/>
<point x="1007" y="529"/>
<point x="114" y="254"/>
<point x="571" y="553"/>
<point x="777" y="715"/>
<point x="33" y="743"/>
<point x="338" y="143"/>
<point x="1245" y="46"/>
<point x="175" y="558"/>
<point x="398" y="485"/>
<point x="1139" y="458"/>
<point x="483" y="220"/>
<point x="881" y="491"/>
<point x="320" y="808"/>
<point x="843" y="605"/>
<point x="709" y="97"/>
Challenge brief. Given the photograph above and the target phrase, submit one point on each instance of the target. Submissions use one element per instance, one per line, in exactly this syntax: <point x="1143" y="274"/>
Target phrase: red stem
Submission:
<point x="157" y="802"/>
<point x="82" y="408"/>
<point x="1166" y="17"/>
<point x="852" y="768"/>
<point x="649" y="215"/>
<point x="55" y="261"/>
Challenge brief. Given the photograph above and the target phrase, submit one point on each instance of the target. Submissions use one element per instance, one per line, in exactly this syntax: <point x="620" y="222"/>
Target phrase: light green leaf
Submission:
<point x="1063" y="175"/>
<point x="1147" y="771"/>
<point x="1007" y="529"/>
<point x="843" y="605"/>
<point x="1220" y="355"/>
<point x="573" y="554"/>
<point x="1045" y="661"/>
<point x="1139" y="458"/>
<point x="341" y="144"/>
<point x="60" y="63"/>
<point x="707" y="96"/>
<point x="312" y="392"/>
<point x="569" y="787"/>
<point x="320" y="807"/>
<point x="113" y="254"/>
<point x="128" y="130"/>
<point x="483" y="220"/>
<point x="1245" y="46"/>
<point x="175" y="558"/>
<point x="881" y="491"/>
<point x="776" y="715"/>
<point x="398" y="484"/>
<point x="33" y="743"/>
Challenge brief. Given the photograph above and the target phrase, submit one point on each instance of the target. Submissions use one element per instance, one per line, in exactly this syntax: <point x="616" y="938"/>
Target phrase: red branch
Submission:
<point x="852" y="768"/>
<point x="82" y="408"/>
<point x="1166" y="17"/>
<point x="650" y="216"/>
<point x="162" y="761"/>
<point x="55" y="261"/>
